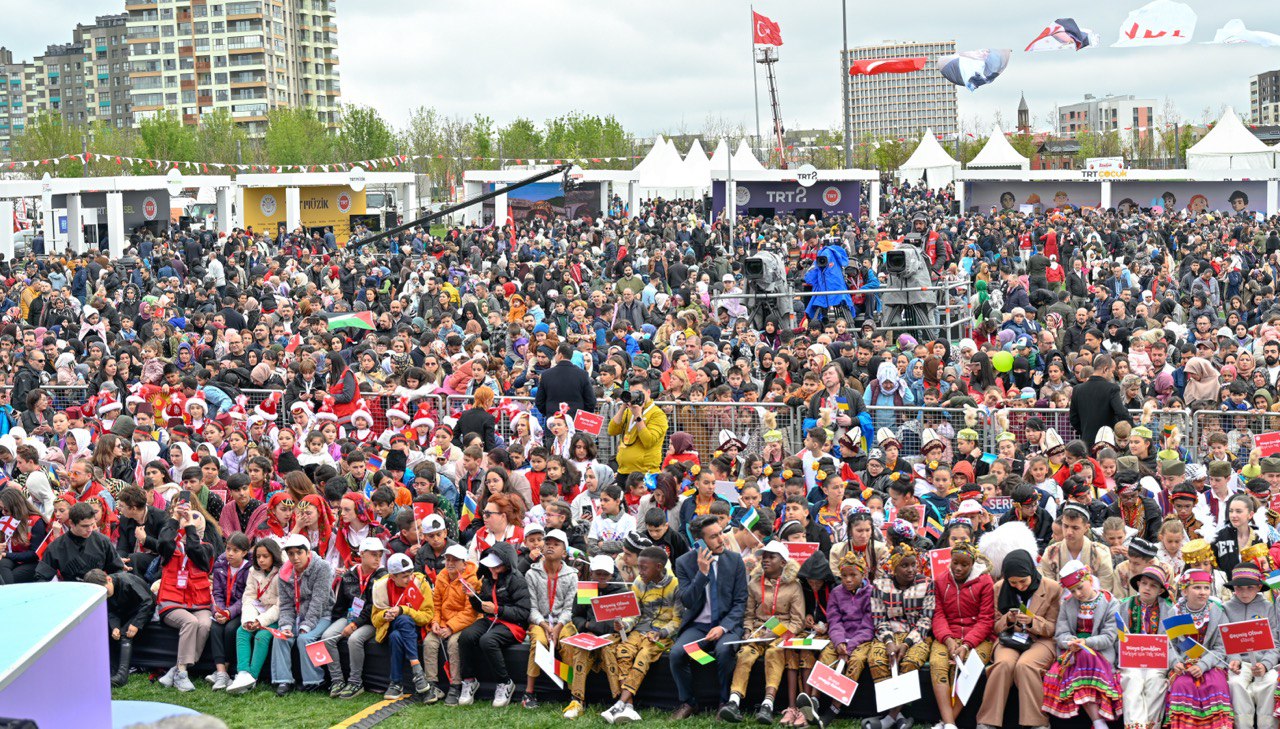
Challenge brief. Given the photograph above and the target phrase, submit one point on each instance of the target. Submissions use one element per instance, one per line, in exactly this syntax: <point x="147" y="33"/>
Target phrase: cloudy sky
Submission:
<point x="668" y="65"/>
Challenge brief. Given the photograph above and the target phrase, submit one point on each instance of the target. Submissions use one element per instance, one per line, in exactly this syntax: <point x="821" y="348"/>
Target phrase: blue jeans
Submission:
<point x="682" y="664"/>
<point x="404" y="645"/>
<point x="282" y="657"/>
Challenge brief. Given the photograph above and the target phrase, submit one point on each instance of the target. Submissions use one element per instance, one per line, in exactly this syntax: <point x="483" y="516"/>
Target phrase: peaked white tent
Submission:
<point x="662" y="173"/>
<point x="653" y="160"/>
<point x="930" y="162"/>
<point x="720" y="157"/>
<point x="697" y="166"/>
<point x="744" y="160"/>
<point x="1230" y="146"/>
<point x="997" y="153"/>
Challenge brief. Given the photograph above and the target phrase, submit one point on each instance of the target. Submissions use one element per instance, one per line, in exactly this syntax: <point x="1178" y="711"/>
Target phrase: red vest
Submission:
<point x="198" y="592"/>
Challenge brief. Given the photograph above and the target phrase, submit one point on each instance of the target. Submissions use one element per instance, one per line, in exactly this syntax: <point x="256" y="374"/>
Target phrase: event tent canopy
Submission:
<point x="662" y="173"/>
<point x="720" y="157"/>
<point x="929" y="162"/>
<point x="744" y="160"/>
<point x="697" y="166"/>
<point x="997" y="153"/>
<point x="1230" y="146"/>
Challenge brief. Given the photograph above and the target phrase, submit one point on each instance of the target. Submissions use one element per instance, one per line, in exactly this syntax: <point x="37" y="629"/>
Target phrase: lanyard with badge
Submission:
<point x="357" y="603"/>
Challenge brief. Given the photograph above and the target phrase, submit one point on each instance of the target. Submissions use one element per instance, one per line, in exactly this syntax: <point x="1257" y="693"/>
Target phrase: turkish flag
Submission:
<point x="766" y="32"/>
<point x="318" y="654"/>
<point x="887" y="65"/>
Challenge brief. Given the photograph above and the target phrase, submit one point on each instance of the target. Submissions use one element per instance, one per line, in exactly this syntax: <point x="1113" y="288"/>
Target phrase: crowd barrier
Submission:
<point x="706" y="420"/>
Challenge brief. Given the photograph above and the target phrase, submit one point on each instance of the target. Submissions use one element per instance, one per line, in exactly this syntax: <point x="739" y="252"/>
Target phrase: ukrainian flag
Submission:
<point x="1179" y="626"/>
<point x="1120" y="628"/>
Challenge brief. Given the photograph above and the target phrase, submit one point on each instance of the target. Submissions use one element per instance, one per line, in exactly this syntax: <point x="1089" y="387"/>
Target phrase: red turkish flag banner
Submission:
<point x="875" y="67"/>
<point x="318" y="654"/>
<point x="765" y="31"/>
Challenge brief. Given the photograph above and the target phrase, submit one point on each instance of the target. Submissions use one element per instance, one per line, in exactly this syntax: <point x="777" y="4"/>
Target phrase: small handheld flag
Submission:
<point x="777" y="627"/>
<point x="468" y="512"/>
<point x="1191" y="649"/>
<point x="357" y="320"/>
<point x="587" y="591"/>
<point x="1120" y="628"/>
<point x="1179" y="626"/>
<point x="750" y="519"/>
<point x="1273" y="580"/>
<point x="564" y="671"/>
<point x="696" y="653"/>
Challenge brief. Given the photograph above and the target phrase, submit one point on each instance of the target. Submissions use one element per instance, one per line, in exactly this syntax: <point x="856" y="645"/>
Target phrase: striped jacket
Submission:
<point x="659" y="606"/>
<point x="907" y="611"/>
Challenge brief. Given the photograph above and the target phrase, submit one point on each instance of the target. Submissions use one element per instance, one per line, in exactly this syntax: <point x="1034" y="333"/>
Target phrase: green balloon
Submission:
<point x="1002" y="361"/>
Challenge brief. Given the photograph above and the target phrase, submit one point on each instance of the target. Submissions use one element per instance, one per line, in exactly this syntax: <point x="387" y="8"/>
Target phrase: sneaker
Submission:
<point x="336" y="688"/>
<point x="182" y="682"/>
<point x="610" y="714"/>
<point x="807" y="707"/>
<point x="420" y="684"/>
<point x="764" y="715"/>
<point x="244" y="681"/>
<point x="433" y="695"/>
<point x="394" y="691"/>
<point x="573" y="710"/>
<point x="529" y="701"/>
<point x="628" y="714"/>
<point x="167" y="679"/>
<point x="468" y="695"/>
<point x="283" y="689"/>
<point x="503" y="693"/>
<point x="730" y="712"/>
<point x="351" y="690"/>
<point x="451" y="698"/>
<point x="220" y="680"/>
<point x="211" y="678"/>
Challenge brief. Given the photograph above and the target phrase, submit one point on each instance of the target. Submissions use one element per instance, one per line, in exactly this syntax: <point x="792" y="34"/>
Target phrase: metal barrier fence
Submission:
<point x="1241" y="429"/>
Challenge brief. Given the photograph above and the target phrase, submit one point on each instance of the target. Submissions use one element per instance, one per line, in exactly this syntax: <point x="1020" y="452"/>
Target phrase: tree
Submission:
<point x="165" y="137"/>
<point x="363" y="134"/>
<point x="107" y="142"/>
<point x="296" y="136"/>
<point x="1024" y="144"/>
<point x="889" y="156"/>
<point x="520" y="140"/>
<point x="45" y="137"/>
<point x="220" y="139"/>
<point x="482" y="143"/>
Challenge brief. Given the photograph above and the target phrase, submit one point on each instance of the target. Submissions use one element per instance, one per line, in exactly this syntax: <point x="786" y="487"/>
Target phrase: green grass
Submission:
<point x="261" y="709"/>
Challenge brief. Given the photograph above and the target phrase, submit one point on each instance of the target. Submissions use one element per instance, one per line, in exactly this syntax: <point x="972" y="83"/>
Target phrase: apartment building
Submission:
<point x="893" y="105"/>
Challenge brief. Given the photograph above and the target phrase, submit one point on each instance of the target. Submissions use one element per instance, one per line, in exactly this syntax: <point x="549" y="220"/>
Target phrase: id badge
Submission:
<point x="182" y="579"/>
<point x="357" y="606"/>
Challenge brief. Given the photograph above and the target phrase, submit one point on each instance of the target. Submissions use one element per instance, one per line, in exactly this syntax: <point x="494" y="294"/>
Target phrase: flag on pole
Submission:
<point x="1273" y="580"/>
<point x="767" y="32"/>
<point x="1120" y="631"/>
<point x="355" y="320"/>
<point x="587" y="591"/>
<point x="1179" y="626"/>
<point x="696" y="653"/>
<point x="1192" y="649"/>
<point x="875" y="67"/>
<point x="468" y="512"/>
<point x="564" y="671"/>
<point x="750" y="519"/>
<point x="777" y="627"/>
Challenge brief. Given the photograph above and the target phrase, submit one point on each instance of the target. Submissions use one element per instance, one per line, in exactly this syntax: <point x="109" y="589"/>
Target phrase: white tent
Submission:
<point x="997" y="153"/>
<point x="930" y="162"/>
<point x="662" y="173"/>
<point x="697" y="166"/>
<point x="1230" y="146"/>
<point x="744" y="160"/>
<point x="720" y="158"/>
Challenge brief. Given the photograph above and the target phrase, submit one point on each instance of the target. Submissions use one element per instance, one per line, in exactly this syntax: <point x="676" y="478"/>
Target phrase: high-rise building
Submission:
<point x="1264" y="98"/>
<point x="247" y="57"/>
<point x="1124" y="114"/>
<point x="893" y="105"/>
<point x="13" y="100"/>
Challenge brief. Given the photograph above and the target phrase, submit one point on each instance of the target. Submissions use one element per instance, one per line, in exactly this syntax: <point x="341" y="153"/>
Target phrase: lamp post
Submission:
<point x="844" y="103"/>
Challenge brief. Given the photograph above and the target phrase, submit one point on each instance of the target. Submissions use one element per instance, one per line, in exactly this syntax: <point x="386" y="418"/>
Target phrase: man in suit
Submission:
<point x="565" y="383"/>
<point x="1097" y="402"/>
<point x="713" y="595"/>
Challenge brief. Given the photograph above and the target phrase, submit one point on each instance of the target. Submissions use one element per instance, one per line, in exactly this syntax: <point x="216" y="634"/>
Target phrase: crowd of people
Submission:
<point x="412" y="468"/>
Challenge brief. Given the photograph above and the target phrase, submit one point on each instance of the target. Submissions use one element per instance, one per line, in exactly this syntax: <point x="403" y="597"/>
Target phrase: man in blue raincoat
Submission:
<point x="827" y="274"/>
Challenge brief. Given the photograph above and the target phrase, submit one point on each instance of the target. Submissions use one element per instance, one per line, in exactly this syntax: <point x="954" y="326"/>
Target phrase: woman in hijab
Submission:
<point x="1026" y="613"/>
<point x="1202" y="381"/>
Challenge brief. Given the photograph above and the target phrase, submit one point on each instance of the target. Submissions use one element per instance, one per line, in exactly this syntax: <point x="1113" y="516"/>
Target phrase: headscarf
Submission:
<point x="273" y="524"/>
<point x="1204" y="385"/>
<point x="899" y="553"/>
<point x="363" y="507"/>
<point x="324" y="522"/>
<point x="1017" y="563"/>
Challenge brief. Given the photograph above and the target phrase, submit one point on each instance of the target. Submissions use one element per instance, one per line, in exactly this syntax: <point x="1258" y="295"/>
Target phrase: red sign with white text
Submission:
<point x="1268" y="443"/>
<point x="1145" y="651"/>
<point x="800" y="551"/>
<point x="615" y="607"/>
<point x="837" y="686"/>
<point x="588" y="422"/>
<point x="1247" y="636"/>
<point x="939" y="562"/>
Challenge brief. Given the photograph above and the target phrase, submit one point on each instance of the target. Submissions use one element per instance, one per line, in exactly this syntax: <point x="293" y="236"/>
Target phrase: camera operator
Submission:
<point x="642" y="425"/>
<point x="827" y="274"/>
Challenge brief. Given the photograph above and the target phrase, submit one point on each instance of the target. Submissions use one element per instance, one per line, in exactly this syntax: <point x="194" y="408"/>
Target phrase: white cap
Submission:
<point x="491" y="560"/>
<point x="296" y="540"/>
<point x="372" y="544"/>
<point x="777" y="548"/>
<point x="534" y="527"/>
<point x="969" y="506"/>
<point x="433" y="523"/>
<point x="602" y="563"/>
<point x="457" y="551"/>
<point x="558" y="535"/>
<point x="399" y="563"/>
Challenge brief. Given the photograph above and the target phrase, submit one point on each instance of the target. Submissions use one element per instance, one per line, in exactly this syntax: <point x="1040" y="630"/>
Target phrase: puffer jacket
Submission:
<point x="261" y="601"/>
<point x="660" y="606"/>
<point x="849" y="621"/>
<point x="420" y="615"/>
<point x="546" y="608"/>
<point x="781" y="597"/>
<point x="508" y="591"/>
<point x="453" y="609"/>
<point x="965" y="612"/>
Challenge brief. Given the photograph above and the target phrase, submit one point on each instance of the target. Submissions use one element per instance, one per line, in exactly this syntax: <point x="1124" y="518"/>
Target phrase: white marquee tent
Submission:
<point x="744" y="160"/>
<point x="930" y="162"/>
<point x="662" y="173"/>
<point x="697" y="165"/>
<point x="1230" y="146"/>
<point x="720" y="158"/>
<point x="997" y="153"/>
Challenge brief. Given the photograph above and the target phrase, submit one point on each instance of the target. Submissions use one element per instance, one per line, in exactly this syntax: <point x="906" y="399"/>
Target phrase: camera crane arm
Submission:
<point x="559" y="169"/>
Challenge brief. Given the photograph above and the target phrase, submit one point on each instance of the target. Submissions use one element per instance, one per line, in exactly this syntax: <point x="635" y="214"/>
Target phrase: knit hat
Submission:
<point x="399" y="410"/>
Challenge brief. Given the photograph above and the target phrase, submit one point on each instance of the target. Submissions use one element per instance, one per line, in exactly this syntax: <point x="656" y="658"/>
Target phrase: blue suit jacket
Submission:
<point x="731" y="590"/>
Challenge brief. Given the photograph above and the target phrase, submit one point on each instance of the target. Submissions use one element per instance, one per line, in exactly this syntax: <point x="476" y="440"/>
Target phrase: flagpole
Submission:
<point x="755" y="80"/>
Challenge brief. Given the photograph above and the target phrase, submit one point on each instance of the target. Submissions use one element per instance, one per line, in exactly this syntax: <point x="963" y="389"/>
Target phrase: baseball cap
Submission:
<point x="371" y="544"/>
<point x="457" y="551"/>
<point x="399" y="564"/>
<point x="491" y="560"/>
<point x="296" y="541"/>
<point x="433" y="523"/>
<point x="601" y="563"/>
<point x="777" y="548"/>
<point x="558" y="535"/>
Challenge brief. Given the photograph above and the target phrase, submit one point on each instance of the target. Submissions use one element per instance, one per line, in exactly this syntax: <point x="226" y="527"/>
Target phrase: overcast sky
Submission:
<point x="668" y="64"/>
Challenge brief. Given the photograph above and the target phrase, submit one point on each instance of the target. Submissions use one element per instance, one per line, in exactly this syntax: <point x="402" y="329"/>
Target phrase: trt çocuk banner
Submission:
<point x="835" y="198"/>
<point x="320" y="206"/>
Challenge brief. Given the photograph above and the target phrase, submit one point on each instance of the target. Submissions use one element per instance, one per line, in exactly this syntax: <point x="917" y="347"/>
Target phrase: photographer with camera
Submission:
<point x="643" y="427"/>
<point x="827" y="274"/>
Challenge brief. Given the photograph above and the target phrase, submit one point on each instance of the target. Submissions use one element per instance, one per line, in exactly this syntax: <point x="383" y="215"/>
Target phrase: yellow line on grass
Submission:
<point x="366" y="713"/>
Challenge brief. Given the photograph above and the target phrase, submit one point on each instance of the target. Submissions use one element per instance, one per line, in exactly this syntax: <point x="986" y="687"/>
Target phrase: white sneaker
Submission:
<point x="167" y="679"/>
<point x="213" y="677"/>
<point x="182" y="682"/>
<point x="221" y="680"/>
<point x="611" y="713"/>
<point x="243" y="682"/>
<point x="469" y="688"/>
<point x="627" y="714"/>
<point x="503" y="693"/>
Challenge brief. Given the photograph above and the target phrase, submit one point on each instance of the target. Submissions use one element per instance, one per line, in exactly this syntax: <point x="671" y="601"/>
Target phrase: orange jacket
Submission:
<point x="453" y="608"/>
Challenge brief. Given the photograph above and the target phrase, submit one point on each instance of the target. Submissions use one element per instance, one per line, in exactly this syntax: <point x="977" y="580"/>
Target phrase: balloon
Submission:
<point x="1002" y="361"/>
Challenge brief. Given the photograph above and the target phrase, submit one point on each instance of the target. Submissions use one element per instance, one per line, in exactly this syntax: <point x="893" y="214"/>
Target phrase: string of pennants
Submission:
<point x="381" y="163"/>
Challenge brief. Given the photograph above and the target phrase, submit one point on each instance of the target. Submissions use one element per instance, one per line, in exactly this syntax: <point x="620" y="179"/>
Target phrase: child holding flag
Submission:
<point x="1251" y="677"/>
<point x="1144" y="689"/>
<point x="402" y="606"/>
<point x="648" y="636"/>
<point x="584" y="621"/>
<point x="1199" y="697"/>
<point x="1083" y="676"/>
<point x="553" y="590"/>
<point x="963" y="621"/>
<point x="775" y="604"/>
